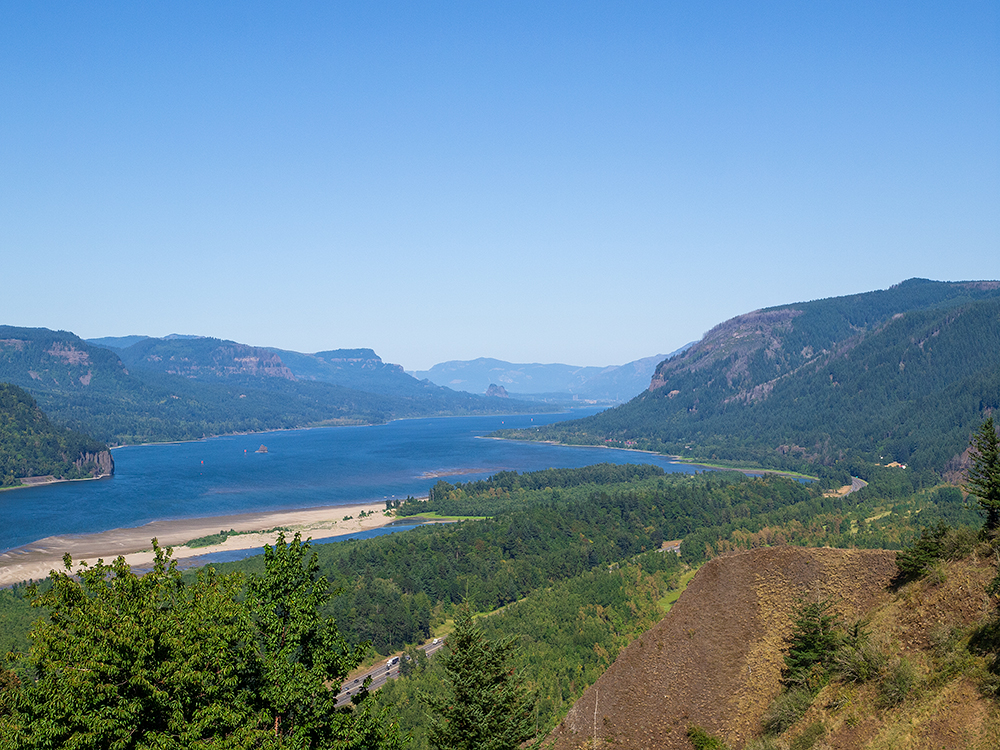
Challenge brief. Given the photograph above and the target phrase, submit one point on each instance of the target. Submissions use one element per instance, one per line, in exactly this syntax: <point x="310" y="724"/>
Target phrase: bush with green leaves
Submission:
<point x="809" y="737"/>
<point x="790" y="706"/>
<point x="859" y="659"/>
<point x="702" y="740"/>
<point x="897" y="683"/>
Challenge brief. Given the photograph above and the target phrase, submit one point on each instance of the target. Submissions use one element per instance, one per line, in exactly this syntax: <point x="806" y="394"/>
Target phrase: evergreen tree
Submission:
<point x="815" y="637"/>
<point x="913" y="561"/>
<point x="983" y="476"/>
<point x="486" y="707"/>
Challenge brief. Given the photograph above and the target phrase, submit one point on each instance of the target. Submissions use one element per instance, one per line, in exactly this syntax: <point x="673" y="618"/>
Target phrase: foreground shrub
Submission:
<point x="787" y="709"/>
<point x="959" y="543"/>
<point x="897" y="683"/>
<point x="809" y="736"/>
<point x="702" y="740"/>
<point x="859" y="660"/>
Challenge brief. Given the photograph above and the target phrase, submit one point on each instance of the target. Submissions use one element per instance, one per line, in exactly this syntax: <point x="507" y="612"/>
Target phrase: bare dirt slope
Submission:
<point x="716" y="659"/>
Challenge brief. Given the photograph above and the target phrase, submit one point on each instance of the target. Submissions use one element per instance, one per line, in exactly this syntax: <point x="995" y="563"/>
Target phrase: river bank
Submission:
<point x="34" y="561"/>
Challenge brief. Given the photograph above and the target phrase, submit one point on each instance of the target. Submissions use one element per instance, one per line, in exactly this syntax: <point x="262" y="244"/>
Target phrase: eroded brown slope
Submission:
<point x="716" y="659"/>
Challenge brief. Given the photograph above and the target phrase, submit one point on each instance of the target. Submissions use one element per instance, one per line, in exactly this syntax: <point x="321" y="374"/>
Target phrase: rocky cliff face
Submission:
<point x="734" y="345"/>
<point x="96" y="464"/>
<point x="203" y="358"/>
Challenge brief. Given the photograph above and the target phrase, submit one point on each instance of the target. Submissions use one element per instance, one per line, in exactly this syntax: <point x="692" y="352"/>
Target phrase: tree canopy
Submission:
<point x="127" y="661"/>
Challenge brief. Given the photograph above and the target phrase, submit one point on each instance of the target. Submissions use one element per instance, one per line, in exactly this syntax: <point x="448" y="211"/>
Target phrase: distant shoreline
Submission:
<point x="34" y="561"/>
<point x="754" y="471"/>
<point x="47" y="481"/>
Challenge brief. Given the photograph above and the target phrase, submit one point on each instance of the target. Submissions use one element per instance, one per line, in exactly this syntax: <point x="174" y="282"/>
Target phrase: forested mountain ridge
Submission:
<point x="359" y="368"/>
<point x="184" y="388"/>
<point x="905" y="374"/>
<point x="200" y="358"/>
<point x="31" y="446"/>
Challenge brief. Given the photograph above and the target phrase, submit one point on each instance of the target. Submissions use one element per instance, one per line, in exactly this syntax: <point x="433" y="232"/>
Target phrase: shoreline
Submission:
<point x="34" y="561"/>
<point x="48" y="482"/>
<point x="750" y="471"/>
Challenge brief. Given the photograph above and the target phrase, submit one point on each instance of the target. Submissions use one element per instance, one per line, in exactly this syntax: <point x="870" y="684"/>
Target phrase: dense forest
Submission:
<point x="904" y="375"/>
<point x="30" y="445"/>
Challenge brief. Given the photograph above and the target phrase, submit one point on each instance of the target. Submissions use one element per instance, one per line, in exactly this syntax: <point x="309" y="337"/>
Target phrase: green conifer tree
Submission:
<point x="983" y="477"/>
<point x="486" y="707"/>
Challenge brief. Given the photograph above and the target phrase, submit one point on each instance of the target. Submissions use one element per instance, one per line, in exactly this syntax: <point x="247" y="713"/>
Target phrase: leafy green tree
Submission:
<point x="983" y="477"/>
<point x="127" y="661"/>
<point x="123" y="660"/>
<point x="302" y="653"/>
<point x="485" y="707"/>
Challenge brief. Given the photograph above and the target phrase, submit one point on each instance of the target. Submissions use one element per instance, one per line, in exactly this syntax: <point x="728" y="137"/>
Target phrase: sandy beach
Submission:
<point x="34" y="561"/>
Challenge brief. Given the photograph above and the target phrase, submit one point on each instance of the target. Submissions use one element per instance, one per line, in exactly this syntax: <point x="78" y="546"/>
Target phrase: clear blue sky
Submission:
<point x="587" y="183"/>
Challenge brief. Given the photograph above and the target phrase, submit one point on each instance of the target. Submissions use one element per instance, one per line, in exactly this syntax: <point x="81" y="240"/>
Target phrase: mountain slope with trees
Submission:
<point x="31" y="446"/>
<point x="912" y="667"/>
<point x="905" y="375"/>
<point x="184" y="388"/>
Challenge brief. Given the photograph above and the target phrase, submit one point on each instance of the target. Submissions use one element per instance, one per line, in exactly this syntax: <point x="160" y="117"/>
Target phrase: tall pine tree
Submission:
<point x="983" y="476"/>
<point x="486" y="706"/>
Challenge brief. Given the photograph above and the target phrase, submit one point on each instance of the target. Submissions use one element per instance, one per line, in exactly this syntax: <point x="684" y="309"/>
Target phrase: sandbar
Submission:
<point x="34" y="561"/>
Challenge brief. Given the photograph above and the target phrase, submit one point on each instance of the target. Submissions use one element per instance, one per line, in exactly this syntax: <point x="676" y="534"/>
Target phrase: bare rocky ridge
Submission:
<point x="715" y="660"/>
<point x="735" y="340"/>
<point x="100" y="464"/>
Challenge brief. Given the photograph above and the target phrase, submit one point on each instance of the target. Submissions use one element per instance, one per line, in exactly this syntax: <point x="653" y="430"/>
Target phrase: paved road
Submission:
<point x="381" y="673"/>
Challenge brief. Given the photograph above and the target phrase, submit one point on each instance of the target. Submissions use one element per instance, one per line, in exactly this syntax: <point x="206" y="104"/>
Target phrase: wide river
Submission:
<point x="301" y="469"/>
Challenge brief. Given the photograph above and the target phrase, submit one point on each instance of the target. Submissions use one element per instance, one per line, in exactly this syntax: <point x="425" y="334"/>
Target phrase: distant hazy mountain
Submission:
<point x="116" y="342"/>
<point x="123" y="342"/>
<point x="903" y="374"/>
<point x="187" y="387"/>
<point x="203" y="357"/>
<point x="353" y="368"/>
<point x="616" y="383"/>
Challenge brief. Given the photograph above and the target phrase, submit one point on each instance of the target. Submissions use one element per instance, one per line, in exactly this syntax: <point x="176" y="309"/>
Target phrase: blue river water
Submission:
<point x="301" y="469"/>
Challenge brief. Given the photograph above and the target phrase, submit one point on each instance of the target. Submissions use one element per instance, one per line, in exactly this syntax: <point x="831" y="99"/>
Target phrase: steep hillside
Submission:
<point x="363" y="369"/>
<point x="715" y="660"/>
<point x="204" y="358"/>
<point x="904" y="375"/>
<point x="31" y="447"/>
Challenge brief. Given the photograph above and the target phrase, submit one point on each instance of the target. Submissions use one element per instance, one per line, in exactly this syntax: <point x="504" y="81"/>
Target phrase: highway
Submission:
<point x="381" y="673"/>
